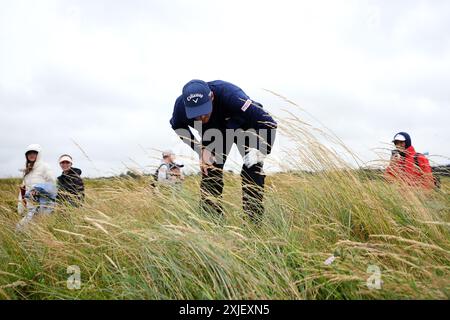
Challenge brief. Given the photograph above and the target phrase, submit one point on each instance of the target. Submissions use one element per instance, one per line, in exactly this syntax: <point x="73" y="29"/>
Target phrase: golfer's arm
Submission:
<point x="265" y="125"/>
<point x="257" y="117"/>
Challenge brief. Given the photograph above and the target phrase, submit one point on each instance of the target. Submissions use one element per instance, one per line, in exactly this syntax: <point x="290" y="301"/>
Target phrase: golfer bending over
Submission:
<point x="223" y="114"/>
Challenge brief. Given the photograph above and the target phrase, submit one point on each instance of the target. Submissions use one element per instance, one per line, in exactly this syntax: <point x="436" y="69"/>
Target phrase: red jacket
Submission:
<point x="408" y="172"/>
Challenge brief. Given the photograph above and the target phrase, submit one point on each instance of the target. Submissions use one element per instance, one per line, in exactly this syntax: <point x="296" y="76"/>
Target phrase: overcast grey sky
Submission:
<point x="106" y="73"/>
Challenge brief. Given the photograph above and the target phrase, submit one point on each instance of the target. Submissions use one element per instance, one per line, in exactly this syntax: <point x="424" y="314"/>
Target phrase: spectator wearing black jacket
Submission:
<point x="70" y="183"/>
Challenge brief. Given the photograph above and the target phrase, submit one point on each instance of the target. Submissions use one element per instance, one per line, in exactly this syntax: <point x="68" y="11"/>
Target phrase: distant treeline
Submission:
<point x="442" y="171"/>
<point x="372" y="173"/>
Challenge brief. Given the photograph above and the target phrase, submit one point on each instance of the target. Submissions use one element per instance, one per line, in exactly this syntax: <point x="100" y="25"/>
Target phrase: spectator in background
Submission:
<point x="38" y="189"/>
<point x="70" y="183"/>
<point x="168" y="171"/>
<point x="407" y="165"/>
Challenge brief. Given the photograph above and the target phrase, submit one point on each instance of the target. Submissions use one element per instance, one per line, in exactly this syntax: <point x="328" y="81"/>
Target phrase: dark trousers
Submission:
<point x="211" y="188"/>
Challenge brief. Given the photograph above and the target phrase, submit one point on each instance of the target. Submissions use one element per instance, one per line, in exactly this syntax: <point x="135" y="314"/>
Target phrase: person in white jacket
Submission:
<point x="38" y="189"/>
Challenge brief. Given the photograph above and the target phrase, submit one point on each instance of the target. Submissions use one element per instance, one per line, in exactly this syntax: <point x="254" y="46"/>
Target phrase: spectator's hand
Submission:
<point x="206" y="161"/>
<point x="395" y="157"/>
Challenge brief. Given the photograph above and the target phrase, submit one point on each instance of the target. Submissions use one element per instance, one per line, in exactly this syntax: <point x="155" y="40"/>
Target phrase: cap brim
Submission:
<point x="65" y="159"/>
<point x="197" y="111"/>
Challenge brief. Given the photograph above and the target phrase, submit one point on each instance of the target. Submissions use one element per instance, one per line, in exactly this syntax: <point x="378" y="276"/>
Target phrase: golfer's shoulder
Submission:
<point x="179" y="103"/>
<point x="224" y="88"/>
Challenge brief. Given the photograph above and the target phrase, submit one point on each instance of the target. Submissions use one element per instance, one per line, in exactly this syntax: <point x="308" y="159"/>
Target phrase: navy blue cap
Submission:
<point x="403" y="136"/>
<point x="197" y="98"/>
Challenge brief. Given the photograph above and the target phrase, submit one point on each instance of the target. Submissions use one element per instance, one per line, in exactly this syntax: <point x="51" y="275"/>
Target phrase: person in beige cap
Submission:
<point x="70" y="183"/>
<point x="168" y="171"/>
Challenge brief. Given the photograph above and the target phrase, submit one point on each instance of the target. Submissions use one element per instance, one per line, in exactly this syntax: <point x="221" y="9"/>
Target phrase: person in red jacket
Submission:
<point x="407" y="165"/>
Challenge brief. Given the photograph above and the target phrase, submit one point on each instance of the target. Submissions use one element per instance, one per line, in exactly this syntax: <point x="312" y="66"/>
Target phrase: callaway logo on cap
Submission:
<point x="194" y="97"/>
<point x="197" y="99"/>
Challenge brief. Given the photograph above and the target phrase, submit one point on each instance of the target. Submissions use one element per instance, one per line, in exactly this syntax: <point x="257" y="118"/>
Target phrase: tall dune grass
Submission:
<point x="133" y="242"/>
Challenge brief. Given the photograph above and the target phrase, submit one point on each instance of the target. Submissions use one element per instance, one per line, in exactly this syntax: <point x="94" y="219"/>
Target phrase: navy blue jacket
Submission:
<point x="231" y="110"/>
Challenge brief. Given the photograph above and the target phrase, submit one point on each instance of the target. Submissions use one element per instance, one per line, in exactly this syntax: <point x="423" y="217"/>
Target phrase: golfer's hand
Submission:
<point x="206" y="161"/>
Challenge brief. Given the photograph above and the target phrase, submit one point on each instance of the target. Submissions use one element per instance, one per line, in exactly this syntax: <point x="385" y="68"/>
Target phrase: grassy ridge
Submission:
<point x="130" y="242"/>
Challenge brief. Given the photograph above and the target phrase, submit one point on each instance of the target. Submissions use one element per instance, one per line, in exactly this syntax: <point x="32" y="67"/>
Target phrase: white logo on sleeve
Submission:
<point x="246" y="105"/>
<point x="194" y="97"/>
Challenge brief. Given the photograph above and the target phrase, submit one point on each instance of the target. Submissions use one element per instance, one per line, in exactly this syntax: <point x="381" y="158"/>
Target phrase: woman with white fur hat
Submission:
<point x="38" y="189"/>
